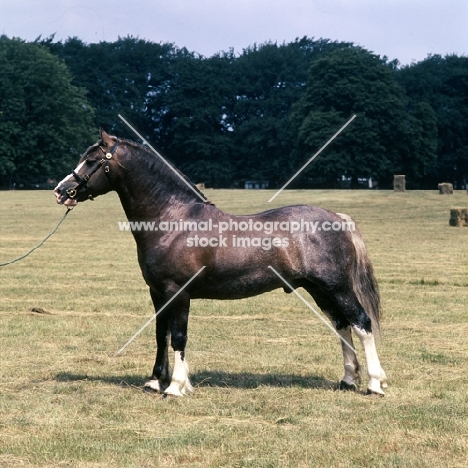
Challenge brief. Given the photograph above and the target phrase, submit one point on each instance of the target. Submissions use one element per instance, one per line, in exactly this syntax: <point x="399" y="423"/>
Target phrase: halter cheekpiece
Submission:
<point x="83" y="180"/>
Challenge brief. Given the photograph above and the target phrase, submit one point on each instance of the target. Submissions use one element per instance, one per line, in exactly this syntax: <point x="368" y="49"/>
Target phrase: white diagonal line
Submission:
<point x="160" y="310"/>
<point x="168" y="164"/>
<point x="312" y="309"/>
<point x="312" y="158"/>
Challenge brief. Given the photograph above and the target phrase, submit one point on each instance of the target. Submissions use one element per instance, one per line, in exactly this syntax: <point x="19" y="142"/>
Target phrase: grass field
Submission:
<point x="265" y="369"/>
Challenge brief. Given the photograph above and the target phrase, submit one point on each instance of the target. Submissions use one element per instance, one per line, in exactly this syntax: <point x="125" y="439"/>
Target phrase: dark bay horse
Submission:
<point x="177" y="233"/>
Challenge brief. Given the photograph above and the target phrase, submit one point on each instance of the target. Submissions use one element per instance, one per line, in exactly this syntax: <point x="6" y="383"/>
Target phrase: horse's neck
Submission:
<point x="148" y="193"/>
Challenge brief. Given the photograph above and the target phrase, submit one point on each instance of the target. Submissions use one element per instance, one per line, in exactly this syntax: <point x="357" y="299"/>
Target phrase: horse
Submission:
<point x="249" y="255"/>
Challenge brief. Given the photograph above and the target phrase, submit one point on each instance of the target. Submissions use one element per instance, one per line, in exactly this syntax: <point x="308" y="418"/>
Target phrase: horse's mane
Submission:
<point x="155" y="163"/>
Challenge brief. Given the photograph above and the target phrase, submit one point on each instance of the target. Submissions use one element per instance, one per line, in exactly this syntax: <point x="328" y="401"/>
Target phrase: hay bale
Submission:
<point x="446" y="188"/>
<point x="458" y="217"/>
<point x="399" y="183"/>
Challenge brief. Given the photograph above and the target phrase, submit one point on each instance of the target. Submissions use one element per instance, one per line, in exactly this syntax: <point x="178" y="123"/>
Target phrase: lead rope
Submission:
<point x="40" y="244"/>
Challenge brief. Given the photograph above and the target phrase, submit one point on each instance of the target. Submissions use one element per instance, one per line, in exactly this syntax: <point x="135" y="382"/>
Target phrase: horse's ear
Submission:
<point x="106" y="139"/>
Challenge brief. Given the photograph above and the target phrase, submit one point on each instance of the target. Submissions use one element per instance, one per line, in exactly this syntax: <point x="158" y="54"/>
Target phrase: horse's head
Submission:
<point x="92" y="176"/>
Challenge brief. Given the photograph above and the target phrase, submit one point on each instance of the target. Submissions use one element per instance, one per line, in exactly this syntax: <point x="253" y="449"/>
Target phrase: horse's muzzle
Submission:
<point x="64" y="196"/>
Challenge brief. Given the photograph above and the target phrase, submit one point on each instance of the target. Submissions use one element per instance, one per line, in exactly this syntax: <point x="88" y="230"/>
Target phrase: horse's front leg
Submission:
<point x="180" y="383"/>
<point x="161" y="376"/>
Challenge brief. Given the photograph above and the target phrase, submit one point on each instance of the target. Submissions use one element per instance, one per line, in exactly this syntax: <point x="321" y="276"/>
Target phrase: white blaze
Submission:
<point x="69" y="176"/>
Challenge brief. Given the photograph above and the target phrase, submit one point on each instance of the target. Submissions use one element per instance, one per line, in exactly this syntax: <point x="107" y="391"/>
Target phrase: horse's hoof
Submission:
<point x="384" y="382"/>
<point x="188" y="389"/>
<point x="152" y="386"/>
<point x="179" y="389"/>
<point x="374" y="393"/>
<point x="173" y="392"/>
<point x="348" y="387"/>
<point x="147" y="389"/>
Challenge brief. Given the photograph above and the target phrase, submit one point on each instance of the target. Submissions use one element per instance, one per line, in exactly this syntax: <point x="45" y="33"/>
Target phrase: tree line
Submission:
<point x="229" y="118"/>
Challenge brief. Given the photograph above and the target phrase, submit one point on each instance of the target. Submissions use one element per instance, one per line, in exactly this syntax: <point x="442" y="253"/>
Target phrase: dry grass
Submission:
<point x="265" y="368"/>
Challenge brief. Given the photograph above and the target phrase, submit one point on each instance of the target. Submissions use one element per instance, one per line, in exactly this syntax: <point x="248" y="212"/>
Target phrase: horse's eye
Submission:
<point x="89" y="162"/>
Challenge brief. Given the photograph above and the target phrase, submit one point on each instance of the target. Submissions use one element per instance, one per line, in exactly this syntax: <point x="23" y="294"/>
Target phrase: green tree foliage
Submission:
<point x="45" y="121"/>
<point x="232" y="117"/>
<point x="269" y="79"/>
<point x="220" y="119"/>
<point x="225" y="119"/>
<point x="442" y="84"/>
<point x="189" y="117"/>
<point x="119" y="76"/>
<point x="173" y="97"/>
<point x="383" y="140"/>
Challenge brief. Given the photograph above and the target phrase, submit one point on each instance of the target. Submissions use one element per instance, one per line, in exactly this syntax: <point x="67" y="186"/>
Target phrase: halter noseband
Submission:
<point x="83" y="181"/>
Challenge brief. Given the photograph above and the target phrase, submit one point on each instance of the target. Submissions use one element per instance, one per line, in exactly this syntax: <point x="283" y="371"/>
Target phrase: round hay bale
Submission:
<point x="399" y="183"/>
<point x="446" y="188"/>
<point x="458" y="217"/>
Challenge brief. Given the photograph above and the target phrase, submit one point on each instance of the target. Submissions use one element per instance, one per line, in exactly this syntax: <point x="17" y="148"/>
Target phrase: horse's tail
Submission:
<point x="364" y="283"/>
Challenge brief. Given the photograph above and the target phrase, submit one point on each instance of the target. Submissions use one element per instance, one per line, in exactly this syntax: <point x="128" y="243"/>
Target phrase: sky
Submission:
<point x="406" y="30"/>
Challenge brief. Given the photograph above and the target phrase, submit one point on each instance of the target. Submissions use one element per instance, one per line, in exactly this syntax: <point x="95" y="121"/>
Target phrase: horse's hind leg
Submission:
<point x="353" y="373"/>
<point x="377" y="377"/>
<point x="352" y="311"/>
<point x="344" y="309"/>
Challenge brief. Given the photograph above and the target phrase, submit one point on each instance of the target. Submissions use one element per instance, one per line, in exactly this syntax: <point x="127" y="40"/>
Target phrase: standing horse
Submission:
<point x="331" y="265"/>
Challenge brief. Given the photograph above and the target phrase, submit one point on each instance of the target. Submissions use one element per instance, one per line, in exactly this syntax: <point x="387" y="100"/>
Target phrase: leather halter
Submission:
<point x="83" y="180"/>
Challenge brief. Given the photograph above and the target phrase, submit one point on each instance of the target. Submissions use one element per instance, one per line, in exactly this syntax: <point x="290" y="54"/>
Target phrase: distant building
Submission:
<point x="256" y="184"/>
